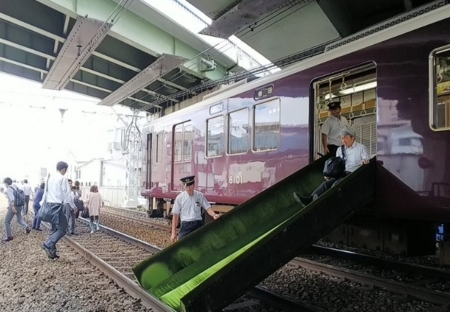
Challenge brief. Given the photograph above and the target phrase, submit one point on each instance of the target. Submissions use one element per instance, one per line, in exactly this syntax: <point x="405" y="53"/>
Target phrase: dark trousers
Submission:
<point x="332" y="149"/>
<point x="36" y="220"/>
<point x="60" y="227"/>
<point x="25" y="207"/>
<point x="189" y="227"/>
<point x="326" y="185"/>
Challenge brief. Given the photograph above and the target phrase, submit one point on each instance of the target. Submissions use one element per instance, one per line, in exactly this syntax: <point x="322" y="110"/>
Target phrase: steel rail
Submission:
<point x="411" y="291"/>
<point x="130" y="286"/>
<point x="382" y="262"/>
<point x="141" y="221"/>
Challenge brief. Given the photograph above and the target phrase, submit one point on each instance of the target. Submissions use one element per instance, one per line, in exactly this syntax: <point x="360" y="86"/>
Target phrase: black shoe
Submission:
<point x="28" y="230"/>
<point x="38" y="229"/>
<point x="73" y="233"/>
<point x="51" y="252"/>
<point x="8" y="239"/>
<point x="304" y="201"/>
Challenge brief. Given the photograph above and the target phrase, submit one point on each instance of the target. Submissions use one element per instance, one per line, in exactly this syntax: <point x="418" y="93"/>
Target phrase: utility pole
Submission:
<point x="131" y="149"/>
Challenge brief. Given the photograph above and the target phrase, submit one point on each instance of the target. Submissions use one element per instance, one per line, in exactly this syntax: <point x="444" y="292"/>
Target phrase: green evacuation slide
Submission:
<point x="184" y="272"/>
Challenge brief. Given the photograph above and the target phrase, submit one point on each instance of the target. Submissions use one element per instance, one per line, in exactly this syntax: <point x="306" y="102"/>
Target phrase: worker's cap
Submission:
<point x="334" y="105"/>
<point x="188" y="180"/>
<point x="347" y="131"/>
<point x="61" y="165"/>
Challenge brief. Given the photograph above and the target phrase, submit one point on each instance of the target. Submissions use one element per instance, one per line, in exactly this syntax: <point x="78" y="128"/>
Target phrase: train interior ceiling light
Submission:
<point x="363" y="87"/>
<point x="85" y="36"/>
<point x="159" y="68"/>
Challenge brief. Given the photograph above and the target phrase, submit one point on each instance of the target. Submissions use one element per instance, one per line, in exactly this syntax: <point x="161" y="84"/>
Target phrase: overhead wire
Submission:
<point x="222" y="47"/>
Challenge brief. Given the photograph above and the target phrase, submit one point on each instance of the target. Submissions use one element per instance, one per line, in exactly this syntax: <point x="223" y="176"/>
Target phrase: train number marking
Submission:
<point x="237" y="179"/>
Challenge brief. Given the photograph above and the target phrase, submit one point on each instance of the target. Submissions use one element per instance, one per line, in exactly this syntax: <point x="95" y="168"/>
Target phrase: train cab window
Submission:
<point x="215" y="136"/>
<point x="183" y="138"/>
<point x="266" y="126"/>
<point x="238" y="132"/>
<point x="159" y="148"/>
<point x="440" y="89"/>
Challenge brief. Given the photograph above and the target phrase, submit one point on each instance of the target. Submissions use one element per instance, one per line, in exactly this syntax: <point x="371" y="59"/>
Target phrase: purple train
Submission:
<point x="394" y="85"/>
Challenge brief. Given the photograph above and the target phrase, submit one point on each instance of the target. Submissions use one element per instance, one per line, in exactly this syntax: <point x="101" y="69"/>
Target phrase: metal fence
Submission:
<point x="113" y="196"/>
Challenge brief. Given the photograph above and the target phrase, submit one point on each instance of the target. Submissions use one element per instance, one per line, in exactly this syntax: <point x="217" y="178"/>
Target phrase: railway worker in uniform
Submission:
<point x="355" y="155"/>
<point x="57" y="193"/>
<point x="188" y="208"/>
<point x="331" y="128"/>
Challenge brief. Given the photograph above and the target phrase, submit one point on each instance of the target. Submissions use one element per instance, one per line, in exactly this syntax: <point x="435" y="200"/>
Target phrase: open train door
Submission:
<point x="356" y="90"/>
<point x="182" y="154"/>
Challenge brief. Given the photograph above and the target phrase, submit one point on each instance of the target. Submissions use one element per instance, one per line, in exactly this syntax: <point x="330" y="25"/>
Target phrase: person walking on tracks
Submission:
<point x="57" y="192"/>
<point x="28" y="192"/>
<point x="37" y="206"/>
<point x="16" y="201"/>
<point x="188" y="208"/>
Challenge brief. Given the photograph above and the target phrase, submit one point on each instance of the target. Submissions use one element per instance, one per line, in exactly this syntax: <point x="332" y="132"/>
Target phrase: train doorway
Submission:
<point x="356" y="90"/>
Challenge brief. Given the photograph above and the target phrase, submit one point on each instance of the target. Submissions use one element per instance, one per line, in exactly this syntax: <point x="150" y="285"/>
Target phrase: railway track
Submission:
<point x="410" y="280"/>
<point x="114" y="253"/>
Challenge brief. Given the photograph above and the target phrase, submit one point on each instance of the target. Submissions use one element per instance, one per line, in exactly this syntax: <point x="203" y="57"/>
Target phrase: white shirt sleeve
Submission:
<point x="177" y="205"/>
<point x="205" y="204"/>
<point x="364" y="154"/>
<point x="326" y="127"/>
<point x="67" y="194"/>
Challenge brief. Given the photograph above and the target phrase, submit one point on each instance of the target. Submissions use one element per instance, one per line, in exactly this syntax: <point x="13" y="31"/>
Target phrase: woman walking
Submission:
<point x="94" y="204"/>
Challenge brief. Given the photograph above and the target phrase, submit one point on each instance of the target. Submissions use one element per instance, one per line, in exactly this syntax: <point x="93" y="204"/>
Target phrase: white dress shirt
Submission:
<point x="27" y="190"/>
<point x="332" y="127"/>
<point x="190" y="207"/>
<point x="353" y="156"/>
<point x="57" y="190"/>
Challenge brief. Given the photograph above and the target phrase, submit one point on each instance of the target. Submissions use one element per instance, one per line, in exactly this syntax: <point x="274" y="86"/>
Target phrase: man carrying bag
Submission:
<point x="57" y="192"/>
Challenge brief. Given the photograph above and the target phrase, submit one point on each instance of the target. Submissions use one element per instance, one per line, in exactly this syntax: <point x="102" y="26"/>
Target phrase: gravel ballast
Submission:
<point x="29" y="281"/>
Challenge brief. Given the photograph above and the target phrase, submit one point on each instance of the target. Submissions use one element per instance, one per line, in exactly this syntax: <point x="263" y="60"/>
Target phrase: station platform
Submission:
<point x="210" y="268"/>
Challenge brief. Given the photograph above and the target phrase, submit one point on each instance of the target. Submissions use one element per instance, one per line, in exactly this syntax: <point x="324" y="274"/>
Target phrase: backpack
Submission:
<point x="19" y="197"/>
<point x="335" y="166"/>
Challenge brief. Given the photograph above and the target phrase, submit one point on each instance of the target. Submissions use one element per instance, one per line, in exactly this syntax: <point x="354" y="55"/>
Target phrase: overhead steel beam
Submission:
<point x="242" y="15"/>
<point x="7" y="60"/>
<point x="84" y="37"/>
<point x="26" y="49"/>
<point x="160" y="96"/>
<point x="176" y="86"/>
<point x="30" y="27"/>
<point x="157" y="69"/>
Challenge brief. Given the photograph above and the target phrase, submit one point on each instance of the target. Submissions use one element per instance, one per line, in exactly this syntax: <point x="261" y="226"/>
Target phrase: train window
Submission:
<point x="238" y="132"/>
<point x="159" y="148"/>
<point x="266" y="126"/>
<point x="217" y="108"/>
<point x="215" y="136"/>
<point x="183" y="138"/>
<point x="440" y="86"/>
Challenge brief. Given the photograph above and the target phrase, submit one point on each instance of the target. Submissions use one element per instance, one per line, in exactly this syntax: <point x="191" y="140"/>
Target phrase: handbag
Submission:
<point x="85" y="213"/>
<point x="335" y="166"/>
<point x="49" y="213"/>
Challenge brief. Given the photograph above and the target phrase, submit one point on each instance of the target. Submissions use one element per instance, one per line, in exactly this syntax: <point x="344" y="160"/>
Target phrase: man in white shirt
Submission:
<point x="27" y="191"/>
<point x="57" y="193"/>
<point x="355" y="155"/>
<point x="188" y="208"/>
<point x="331" y="127"/>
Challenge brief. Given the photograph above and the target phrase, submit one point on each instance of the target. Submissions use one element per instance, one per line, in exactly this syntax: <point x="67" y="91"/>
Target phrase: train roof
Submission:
<point x="392" y="28"/>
